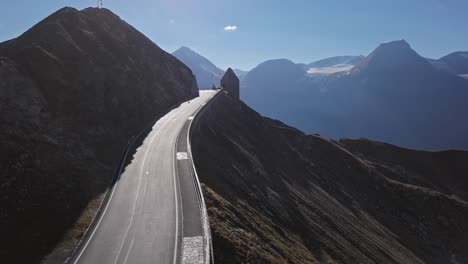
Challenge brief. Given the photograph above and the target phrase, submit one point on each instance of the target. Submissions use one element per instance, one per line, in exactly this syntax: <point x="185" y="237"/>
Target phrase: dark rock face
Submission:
<point x="73" y="90"/>
<point x="277" y="195"/>
<point x="230" y="83"/>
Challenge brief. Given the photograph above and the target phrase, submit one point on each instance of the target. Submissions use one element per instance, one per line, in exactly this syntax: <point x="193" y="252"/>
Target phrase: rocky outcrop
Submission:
<point x="73" y="90"/>
<point x="277" y="195"/>
<point x="230" y="83"/>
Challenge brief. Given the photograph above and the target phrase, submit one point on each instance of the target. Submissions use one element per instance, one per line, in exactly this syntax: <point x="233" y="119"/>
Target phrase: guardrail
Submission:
<point x="208" y="243"/>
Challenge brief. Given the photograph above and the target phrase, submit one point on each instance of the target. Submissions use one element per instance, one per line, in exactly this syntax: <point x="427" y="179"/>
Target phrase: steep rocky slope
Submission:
<point x="277" y="195"/>
<point x="73" y="90"/>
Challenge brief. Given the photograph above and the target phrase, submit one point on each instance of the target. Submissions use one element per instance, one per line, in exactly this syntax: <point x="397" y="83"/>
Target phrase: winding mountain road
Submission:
<point x="153" y="215"/>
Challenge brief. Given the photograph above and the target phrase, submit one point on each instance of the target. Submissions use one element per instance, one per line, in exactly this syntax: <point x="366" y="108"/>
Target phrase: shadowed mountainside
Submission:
<point x="277" y="195"/>
<point x="74" y="89"/>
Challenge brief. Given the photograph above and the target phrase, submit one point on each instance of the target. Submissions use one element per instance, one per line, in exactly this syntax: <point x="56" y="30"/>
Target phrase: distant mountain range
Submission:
<point x="392" y="95"/>
<point x="206" y="72"/>
<point x="240" y="73"/>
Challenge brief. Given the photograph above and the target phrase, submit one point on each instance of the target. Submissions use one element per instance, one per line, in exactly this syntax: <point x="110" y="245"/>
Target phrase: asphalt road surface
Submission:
<point x="153" y="209"/>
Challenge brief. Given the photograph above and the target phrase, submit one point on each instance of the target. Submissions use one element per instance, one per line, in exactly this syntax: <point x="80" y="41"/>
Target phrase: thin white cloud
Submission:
<point x="230" y="28"/>
<point x="171" y="21"/>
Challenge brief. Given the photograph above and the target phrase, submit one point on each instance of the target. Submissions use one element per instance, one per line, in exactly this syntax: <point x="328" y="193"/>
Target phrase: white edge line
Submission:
<point x="97" y="225"/>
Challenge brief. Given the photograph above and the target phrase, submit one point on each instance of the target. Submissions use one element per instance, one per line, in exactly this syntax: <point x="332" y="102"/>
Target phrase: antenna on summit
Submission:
<point x="99" y="3"/>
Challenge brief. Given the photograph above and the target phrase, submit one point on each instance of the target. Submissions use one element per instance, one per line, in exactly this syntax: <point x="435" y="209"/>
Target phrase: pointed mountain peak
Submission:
<point x="184" y="49"/>
<point x="399" y="48"/>
<point x="64" y="10"/>
<point x="230" y="82"/>
<point x="70" y="13"/>
<point x="397" y="44"/>
<point x="207" y="73"/>
<point x="187" y="52"/>
<point x="394" y="56"/>
<point x="63" y="22"/>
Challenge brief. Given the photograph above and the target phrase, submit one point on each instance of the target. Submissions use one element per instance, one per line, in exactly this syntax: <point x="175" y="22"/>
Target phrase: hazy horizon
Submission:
<point x="249" y="33"/>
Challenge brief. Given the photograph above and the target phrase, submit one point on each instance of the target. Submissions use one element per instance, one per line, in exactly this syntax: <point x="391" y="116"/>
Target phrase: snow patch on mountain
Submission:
<point x="330" y="70"/>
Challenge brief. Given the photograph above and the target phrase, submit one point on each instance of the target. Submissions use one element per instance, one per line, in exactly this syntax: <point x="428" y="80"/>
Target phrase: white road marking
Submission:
<point x="128" y="252"/>
<point x="182" y="155"/>
<point x="192" y="250"/>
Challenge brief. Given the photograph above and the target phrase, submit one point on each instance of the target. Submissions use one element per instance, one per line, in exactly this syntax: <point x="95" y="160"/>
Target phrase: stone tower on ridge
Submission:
<point x="230" y="83"/>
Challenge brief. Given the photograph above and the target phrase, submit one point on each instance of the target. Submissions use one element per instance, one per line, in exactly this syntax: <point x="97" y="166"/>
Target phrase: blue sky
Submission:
<point x="300" y="30"/>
